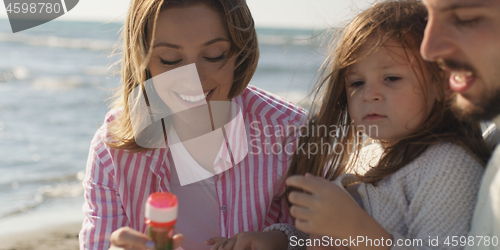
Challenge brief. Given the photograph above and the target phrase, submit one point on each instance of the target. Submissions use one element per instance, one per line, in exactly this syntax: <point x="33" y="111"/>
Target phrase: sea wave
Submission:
<point x="69" y="187"/>
<point x="59" y="42"/>
<point x="55" y="83"/>
<point x="106" y="45"/>
<point x="101" y="70"/>
<point x="18" y="73"/>
<point x="54" y="180"/>
<point x="267" y="39"/>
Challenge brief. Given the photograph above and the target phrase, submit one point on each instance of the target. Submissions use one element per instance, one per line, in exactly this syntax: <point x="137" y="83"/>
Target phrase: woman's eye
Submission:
<point x="170" y="63"/>
<point x="356" y="84"/>
<point x="392" y="78"/>
<point x="216" y="59"/>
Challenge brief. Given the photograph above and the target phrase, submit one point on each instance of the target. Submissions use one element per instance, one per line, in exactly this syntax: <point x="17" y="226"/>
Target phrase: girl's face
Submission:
<point x="194" y="34"/>
<point x="385" y="96"/>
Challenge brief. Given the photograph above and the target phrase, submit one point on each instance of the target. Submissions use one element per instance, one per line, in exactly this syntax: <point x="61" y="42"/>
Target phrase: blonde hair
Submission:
<point x="404" y="22"/>
<point x="137" y="48"/>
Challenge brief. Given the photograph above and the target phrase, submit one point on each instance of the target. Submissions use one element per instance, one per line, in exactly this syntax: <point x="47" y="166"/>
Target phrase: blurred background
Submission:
<point x="55" y="80"/>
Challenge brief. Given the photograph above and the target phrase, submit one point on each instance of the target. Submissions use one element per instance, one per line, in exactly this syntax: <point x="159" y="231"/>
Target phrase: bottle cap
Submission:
<point x="161" y="209"/>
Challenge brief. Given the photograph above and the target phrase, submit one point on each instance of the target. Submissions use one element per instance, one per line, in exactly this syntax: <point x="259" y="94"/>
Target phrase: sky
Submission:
<point x="266" y="13"/>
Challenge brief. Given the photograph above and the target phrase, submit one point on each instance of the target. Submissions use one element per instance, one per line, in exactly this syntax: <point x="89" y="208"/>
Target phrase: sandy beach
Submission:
<point x="64" y="237"/>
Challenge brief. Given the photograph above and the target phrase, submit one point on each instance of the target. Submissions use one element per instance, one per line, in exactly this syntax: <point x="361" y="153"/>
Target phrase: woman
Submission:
<point x="219" y="38"/>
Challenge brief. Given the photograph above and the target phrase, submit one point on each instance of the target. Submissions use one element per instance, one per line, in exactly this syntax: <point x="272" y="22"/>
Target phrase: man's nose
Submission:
<point x="438" y="41"/>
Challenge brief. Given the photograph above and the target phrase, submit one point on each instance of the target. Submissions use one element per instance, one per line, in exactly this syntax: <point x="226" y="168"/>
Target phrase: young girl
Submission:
<point x="216" y="39"/>
<point x="420" y="176"/>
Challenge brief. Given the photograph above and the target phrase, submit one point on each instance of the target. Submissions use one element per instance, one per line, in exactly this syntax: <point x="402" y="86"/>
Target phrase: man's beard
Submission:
<point x="485" y="110"/>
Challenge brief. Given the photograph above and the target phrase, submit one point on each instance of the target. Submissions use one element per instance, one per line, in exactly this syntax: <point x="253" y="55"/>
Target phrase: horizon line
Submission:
<point x="120" y="21"/>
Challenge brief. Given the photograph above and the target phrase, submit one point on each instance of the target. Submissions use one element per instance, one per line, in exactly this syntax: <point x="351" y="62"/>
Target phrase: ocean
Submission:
<point x="55" y="80"/>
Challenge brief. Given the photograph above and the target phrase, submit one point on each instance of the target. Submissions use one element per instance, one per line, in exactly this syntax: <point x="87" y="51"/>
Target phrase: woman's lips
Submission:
<point x="374" y="117"/>
<point x="460" y="81"/>
<point x="193" y="98"/>
<point x="209" y="95"/>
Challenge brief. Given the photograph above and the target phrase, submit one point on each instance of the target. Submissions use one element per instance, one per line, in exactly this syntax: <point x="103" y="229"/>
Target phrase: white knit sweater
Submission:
<point x="433" y="196"/>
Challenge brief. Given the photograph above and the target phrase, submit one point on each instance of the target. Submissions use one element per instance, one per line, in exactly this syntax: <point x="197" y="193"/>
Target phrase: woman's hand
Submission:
<point x="273" y="240"/>
<point x="126" y="238"/>
<point x="328" y="210"/>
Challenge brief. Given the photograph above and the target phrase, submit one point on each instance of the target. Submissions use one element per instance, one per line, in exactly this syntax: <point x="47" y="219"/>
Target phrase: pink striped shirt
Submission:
<point x="117" y="182"/>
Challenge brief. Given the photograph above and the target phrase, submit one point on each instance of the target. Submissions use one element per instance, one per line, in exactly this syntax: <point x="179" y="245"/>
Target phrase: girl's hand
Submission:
<point x="328" y="210"/>
<point x="126" y="238"/>
<point x="250" y="241"/>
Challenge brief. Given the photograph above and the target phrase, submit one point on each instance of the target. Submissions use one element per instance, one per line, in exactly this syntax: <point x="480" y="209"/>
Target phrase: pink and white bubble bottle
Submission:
<point x="161" y="215"/>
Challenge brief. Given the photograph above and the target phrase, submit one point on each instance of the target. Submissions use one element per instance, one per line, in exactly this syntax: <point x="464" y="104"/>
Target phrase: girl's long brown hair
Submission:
<point x="137" y="48"/>
<point x="403" y="22"/>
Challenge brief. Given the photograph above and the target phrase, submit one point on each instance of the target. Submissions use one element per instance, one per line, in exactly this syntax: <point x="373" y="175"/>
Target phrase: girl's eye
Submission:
<point x="216" y="59"/>
<point x="356" y="84"/>
<point x="170" y="63"/>
<point x="392" y="78"/>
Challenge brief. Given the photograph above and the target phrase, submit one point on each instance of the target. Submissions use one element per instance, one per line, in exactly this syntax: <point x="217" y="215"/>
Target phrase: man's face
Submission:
<point x="464" y="36"/>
